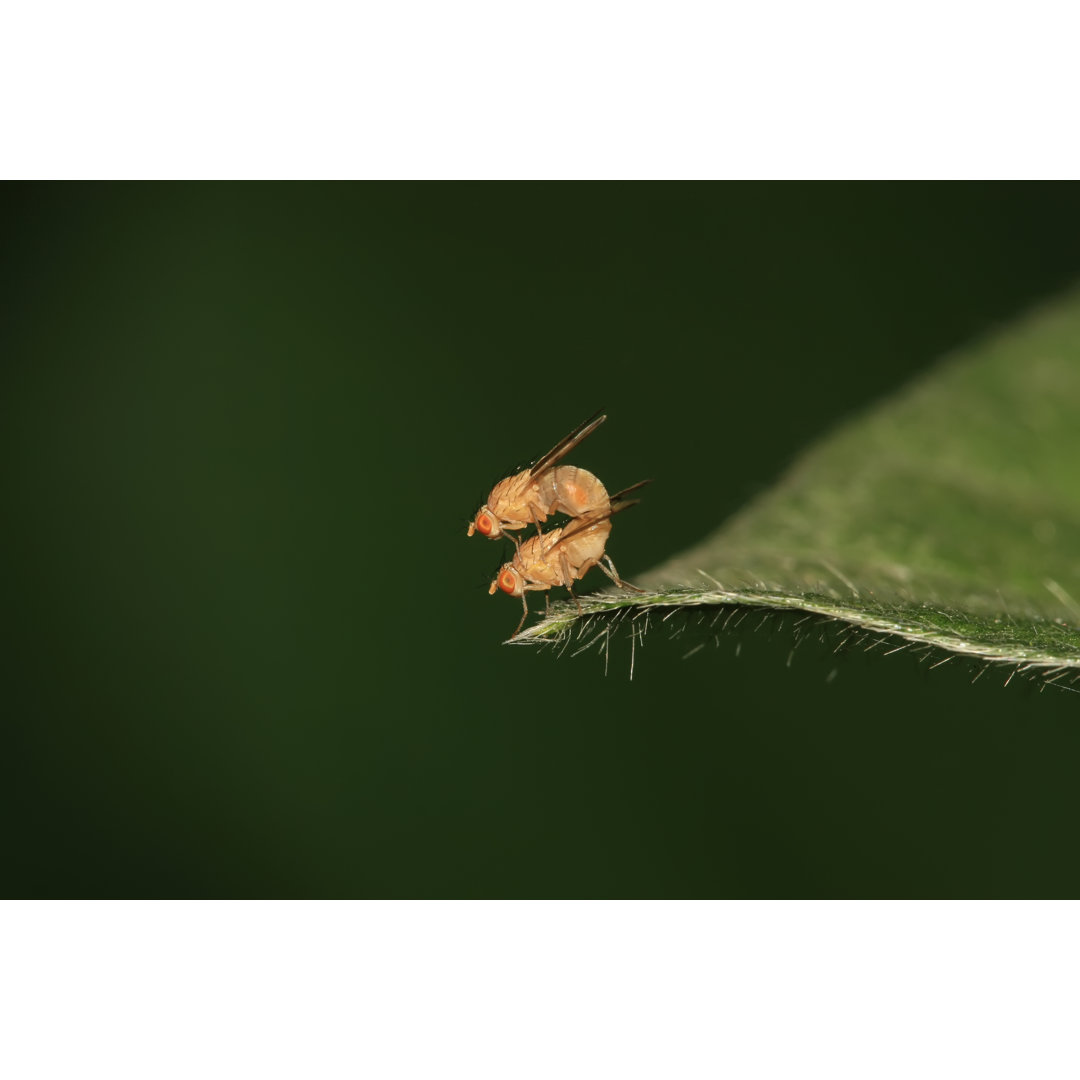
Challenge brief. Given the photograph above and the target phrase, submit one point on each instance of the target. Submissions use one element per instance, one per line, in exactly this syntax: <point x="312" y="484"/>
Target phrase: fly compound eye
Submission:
<point x="485" y="525"/>
<point x="508" y="581"/>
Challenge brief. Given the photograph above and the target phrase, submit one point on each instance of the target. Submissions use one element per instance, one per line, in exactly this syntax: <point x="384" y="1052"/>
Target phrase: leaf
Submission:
<point x="948" y="514"/>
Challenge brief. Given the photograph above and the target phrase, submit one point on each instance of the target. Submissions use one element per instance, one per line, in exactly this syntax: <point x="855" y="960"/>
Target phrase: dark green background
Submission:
<point x="250" y="650"/>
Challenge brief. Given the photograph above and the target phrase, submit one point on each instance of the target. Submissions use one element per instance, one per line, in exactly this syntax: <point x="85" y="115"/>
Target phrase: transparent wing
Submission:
<point x="587" y="521"/>
<point x="626" y="491"/>
<point x="565" y="445"/>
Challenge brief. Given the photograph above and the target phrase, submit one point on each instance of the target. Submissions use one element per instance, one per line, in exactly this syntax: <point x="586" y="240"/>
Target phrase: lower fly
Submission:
<point x="563" y="556"/>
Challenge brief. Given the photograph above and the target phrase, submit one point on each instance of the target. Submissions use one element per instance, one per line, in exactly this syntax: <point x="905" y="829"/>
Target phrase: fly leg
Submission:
<point x="525" y="604"/>
<point x="568" y="579"/>
<point x="614" y="575"/>
<point x="532" y="514"/>
<point x="524" y="616"/>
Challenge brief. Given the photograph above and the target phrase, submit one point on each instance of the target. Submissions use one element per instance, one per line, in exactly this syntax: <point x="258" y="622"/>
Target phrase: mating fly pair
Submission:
<point x="562" y="555"/>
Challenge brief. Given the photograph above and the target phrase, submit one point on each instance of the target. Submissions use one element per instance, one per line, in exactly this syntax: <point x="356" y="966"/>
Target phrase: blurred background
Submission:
<point x="250" y="650"/>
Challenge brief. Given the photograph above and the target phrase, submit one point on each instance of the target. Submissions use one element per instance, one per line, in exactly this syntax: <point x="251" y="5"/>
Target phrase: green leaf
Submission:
<point x="948" y="514"/>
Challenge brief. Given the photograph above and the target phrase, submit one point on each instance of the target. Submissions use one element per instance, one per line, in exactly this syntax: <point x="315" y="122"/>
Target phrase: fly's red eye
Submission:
<point x="507" y="581"/>
<point x="484" y="525"/>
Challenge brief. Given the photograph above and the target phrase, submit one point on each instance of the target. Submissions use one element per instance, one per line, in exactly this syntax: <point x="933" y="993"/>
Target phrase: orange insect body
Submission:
<point x="543" y="562"/>
<point x="561" y="557"/>
<point x="545" y="488"/>
<point x="566" y="489"/>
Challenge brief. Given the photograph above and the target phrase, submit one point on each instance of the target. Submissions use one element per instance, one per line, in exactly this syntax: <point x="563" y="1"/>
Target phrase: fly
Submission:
<point x="546" y="487"/>
<point x="563" y="556"/>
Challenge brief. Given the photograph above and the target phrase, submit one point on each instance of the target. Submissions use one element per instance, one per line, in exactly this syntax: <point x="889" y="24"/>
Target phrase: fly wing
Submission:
<point x="565" y="445"/>
<point x="587" y="521"/>
<point x="626" y="491"/>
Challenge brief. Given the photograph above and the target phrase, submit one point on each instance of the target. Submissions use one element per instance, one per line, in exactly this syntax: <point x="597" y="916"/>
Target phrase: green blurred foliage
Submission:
<point x="250" y="650"/>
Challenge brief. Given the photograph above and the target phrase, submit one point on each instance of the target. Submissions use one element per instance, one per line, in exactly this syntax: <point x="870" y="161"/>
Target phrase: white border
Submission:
<point x="494" y="90"/>
<point x="523" y="990"/>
